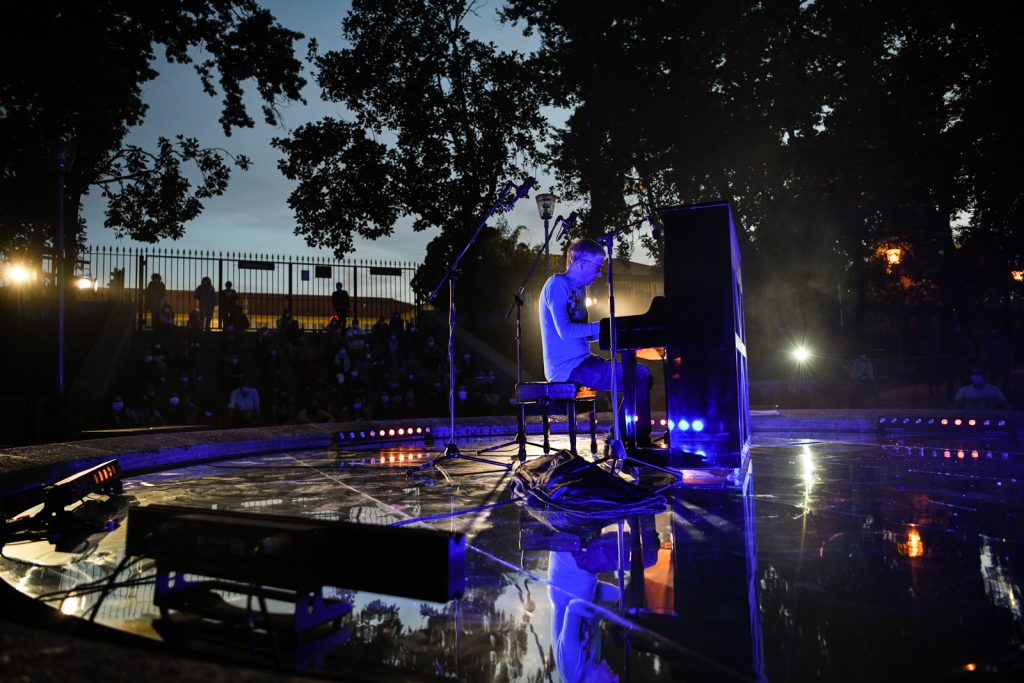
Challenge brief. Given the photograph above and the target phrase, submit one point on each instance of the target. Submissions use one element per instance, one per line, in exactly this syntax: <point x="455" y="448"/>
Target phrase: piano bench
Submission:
<point x="559" y="396"/>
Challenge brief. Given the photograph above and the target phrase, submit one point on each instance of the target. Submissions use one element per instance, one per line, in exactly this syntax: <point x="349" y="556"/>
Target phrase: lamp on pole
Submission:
<point x="546" y="208"/>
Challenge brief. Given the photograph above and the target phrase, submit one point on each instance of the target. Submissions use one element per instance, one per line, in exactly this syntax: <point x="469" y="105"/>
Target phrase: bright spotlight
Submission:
<point x="85" y="283"/>
<point x="18" y="273"/>
<point x="801" y="354"/>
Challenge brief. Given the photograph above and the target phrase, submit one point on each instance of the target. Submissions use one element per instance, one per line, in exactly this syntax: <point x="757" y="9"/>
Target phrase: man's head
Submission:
<point x="584" y="261"/>
<point x="977" y="376"/>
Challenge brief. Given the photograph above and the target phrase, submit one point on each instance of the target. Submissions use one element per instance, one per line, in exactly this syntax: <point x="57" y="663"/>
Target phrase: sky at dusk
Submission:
<point x="253" y="215"/>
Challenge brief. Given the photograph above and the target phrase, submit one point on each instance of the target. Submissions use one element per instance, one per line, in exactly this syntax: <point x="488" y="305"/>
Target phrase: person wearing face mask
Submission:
<point x="180" y="410"/>
<point x="431" y="355"/>
<point x="244" y="405"/>
<point x="980" y="396"/>
<point x="355" y="338"/>
<point x="120" y="416"/>
<point x="566" y="334"/>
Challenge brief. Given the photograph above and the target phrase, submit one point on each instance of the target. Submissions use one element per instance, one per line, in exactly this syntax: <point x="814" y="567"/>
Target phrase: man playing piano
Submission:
<point x="565" y="334"/>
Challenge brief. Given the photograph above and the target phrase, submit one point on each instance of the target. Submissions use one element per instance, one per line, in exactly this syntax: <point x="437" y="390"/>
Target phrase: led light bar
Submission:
<point x="103" y="478"/>
<point x="381" y="432"/>
<point x="959" y="425"/>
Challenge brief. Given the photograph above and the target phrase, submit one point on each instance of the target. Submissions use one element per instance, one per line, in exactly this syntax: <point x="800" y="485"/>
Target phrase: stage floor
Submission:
<point x="839" y="560"/>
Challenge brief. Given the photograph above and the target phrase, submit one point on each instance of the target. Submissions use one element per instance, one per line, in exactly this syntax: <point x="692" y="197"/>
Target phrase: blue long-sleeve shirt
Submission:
<point x="564" y="329"/>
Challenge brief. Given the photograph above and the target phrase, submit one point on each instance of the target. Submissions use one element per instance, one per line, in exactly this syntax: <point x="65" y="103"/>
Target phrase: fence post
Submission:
<point x="140" y="285"/>
<point x="290" y="279"/>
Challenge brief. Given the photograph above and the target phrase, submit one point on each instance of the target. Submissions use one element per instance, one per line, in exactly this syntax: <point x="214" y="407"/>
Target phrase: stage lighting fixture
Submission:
<point x="377" y="433"/>
<point x="801" y="354"/>
<point x="103" y="478"/>
<point x="977" y="425"/>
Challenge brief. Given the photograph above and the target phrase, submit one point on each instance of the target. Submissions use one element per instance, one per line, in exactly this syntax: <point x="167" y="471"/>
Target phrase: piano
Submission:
<point x="636" y="334"/>
<point x="699" y="322"/>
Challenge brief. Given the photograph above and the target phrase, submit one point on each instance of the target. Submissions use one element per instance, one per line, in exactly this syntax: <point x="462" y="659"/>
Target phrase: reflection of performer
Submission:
<point x="575" y="632"/>
<point x="566" y="334"/>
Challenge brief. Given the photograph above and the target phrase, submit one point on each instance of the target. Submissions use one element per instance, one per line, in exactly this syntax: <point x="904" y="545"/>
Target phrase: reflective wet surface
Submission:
<point x="837" y="561"/>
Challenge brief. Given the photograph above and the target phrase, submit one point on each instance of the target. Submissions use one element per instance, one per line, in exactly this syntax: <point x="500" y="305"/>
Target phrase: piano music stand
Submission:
<point x="615" y="451"/>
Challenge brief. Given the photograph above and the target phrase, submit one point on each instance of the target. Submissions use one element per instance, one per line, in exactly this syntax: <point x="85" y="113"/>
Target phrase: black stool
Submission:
<point x="558" y="396"/>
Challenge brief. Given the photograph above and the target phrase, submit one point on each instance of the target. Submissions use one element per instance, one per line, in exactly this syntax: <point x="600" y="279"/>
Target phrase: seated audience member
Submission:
<point x="120" y="416"/>
<point x="180" y="409"/>
<point x="980" y="396"/>
<point x="244" y="405"/>
<point x="314" y="411"/>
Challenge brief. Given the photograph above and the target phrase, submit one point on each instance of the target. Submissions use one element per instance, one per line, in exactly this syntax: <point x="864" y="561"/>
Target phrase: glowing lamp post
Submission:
<point x="546" y="209"/>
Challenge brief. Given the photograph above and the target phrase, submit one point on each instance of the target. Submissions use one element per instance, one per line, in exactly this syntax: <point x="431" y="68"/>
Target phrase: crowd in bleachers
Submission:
<point x="287" y="375"/>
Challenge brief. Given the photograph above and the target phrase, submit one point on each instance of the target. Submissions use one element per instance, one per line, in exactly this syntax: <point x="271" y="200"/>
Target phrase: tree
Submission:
<point x="441" y="120"/>
<point x="73" y="75"/>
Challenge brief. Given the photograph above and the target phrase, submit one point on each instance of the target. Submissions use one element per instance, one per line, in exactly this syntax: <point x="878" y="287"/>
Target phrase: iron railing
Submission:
<point x="266" y="284"/>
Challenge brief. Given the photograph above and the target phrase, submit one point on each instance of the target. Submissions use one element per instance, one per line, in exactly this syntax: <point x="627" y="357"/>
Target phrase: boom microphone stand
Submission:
<point x="517" y="304"/>
<point x="503" y="203"/>
<point x="615" y="451"/>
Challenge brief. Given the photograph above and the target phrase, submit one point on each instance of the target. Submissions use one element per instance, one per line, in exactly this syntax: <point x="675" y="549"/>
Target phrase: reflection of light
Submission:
<point x="698" y="425"/>
<point x="913" y="547"/>
<point x="807" y="471"/>
<point x="893" y="256"/>
<point x="684" y="425"/>
<point x="671" y="425"/>
<point x="970" y="666"/>
<point x="801" y="354"/>
<point x="70" y="605"/>
<point x="1017" y="275"/>
<point x="591" y="301"/>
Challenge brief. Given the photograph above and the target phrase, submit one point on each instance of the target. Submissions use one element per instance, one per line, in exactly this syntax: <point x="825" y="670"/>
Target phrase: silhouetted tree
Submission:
<point x="73" y="74"/>
<point x="439" y="121"/>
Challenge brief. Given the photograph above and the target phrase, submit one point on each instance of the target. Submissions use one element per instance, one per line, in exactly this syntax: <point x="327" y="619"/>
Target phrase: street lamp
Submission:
<point x="546" y="208"/>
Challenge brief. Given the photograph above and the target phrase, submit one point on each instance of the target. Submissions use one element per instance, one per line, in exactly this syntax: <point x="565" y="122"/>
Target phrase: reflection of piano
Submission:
<point x="700" y="323"/>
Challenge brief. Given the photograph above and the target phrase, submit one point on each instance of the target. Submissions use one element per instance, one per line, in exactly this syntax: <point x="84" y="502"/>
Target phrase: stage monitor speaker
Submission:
<point x="300" y="552"/>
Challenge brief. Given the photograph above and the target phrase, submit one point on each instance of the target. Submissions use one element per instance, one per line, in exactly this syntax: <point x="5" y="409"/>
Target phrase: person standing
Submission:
<point x="206" y="295"/>
<point x="154" y="295"/>
<point x="340" y="302"/>
<point x="227" y="304"/>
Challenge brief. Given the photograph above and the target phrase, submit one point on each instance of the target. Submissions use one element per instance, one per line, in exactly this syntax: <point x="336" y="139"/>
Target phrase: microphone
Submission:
<point x="566" y="224"/>
<point x="521" y="192"/>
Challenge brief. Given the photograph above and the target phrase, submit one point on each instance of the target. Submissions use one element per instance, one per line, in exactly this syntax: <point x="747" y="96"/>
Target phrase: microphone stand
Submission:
<point x="451" y="449"/>
<point x="517" y="304"/>
<point x="614" y="448"/>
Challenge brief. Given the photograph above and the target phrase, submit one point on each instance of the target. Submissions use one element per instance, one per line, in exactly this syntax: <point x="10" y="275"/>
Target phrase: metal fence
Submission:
<point x="266" y="284"/>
